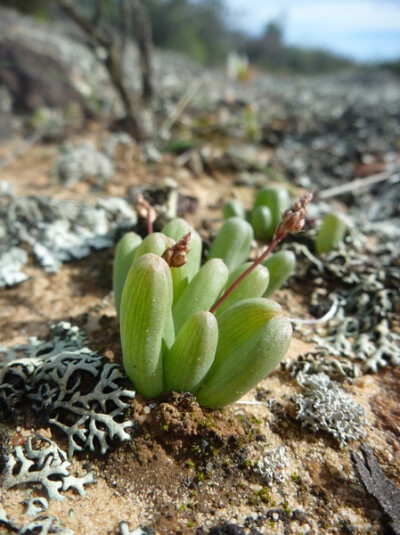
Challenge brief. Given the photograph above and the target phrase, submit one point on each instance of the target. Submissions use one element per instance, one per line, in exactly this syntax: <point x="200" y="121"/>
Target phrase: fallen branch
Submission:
<point x="359" y="183"/>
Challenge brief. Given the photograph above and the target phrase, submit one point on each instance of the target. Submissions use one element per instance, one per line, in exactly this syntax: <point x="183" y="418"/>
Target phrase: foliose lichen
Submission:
<point x="71" y="388"/>
<point x="324" y="406"/>
<point x="271" y="466"/>
<point x="47" y="466"/>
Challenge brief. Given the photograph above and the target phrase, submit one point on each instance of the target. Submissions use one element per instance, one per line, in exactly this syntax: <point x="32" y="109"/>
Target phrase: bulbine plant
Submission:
<point x="205" y="329"/>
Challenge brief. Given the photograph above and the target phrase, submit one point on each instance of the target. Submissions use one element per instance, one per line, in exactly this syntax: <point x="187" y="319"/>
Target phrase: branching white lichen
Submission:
<point x="125" y="530"/>
<point x="37" y="505"/>
<point x="47" y="466"/>
<point x="324" y="406"/>
<point x="271" y="466"/>
<point x="76" y="390"/>
<point x="45" y="525"/>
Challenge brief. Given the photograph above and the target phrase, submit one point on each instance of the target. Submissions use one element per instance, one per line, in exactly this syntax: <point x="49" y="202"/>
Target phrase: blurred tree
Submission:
<point x="197" y="28"/>
<point x="108" y="24"/>
<point x="38" y="8"/>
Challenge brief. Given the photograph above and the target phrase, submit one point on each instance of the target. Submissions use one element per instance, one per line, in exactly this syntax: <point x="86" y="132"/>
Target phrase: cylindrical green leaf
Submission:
<point x="176" y="229"/>
<point x="331" y="233"/>
<point x="248" y="364"/>
<point x="145" y="311"/>
<point x="155" y="243"/>
<point x="240" y="322"/>
<point x="124" y="255"/>
<point x="232" y="243"/>
<point x="261" y="221"/>
<point x="277" y="200"/>
<point x="280" y="266"/>
<point x="254" y="285"/>
<point x="202" y="292"/>
<point x="233" y="208"/>
<point x="192" y="353"/>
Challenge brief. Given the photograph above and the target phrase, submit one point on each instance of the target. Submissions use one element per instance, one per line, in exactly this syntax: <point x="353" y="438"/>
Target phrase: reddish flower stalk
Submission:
<point x="146" y="211"/>
<point x="292" y="222"/>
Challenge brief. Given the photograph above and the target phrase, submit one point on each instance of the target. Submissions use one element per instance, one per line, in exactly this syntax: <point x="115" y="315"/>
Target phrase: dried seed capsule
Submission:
<point x="233" y="208"/>
<point x="261" y="221"/>
<point x="232" y="243"/>
<point x="331" y="233"/>
<point x="145" y="314"/>
<point x="124" y="255"/>
<point x="177" y="228"/>
<point x="192" y="354"/>
<point x="254" y="285"/>
<point x="202" y="292"/>
<point x="277" y="200"/>
<point x="280" y="266"/>
<point x="253" y="338"/>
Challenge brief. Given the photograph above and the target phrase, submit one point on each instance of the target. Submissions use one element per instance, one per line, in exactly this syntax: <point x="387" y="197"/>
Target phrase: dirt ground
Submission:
<point x="187" y="469"/>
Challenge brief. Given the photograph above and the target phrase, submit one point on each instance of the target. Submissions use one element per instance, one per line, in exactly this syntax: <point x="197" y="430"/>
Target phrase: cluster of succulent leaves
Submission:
<point x="268" y="207"/>
<point x="172" y="336"/>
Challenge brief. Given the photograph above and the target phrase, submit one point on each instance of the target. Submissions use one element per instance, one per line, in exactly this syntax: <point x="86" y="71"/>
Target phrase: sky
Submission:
<point x="365" y="30"/>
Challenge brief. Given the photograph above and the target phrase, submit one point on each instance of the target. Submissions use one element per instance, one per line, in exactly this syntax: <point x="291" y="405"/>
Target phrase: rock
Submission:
<point x="34" y="79"/>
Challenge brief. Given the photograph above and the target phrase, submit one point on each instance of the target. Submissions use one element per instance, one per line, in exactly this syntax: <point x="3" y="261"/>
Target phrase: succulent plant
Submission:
<point x="205" y="330"/>
<point x="269" y="205"/>
<point x="331" y="232"/>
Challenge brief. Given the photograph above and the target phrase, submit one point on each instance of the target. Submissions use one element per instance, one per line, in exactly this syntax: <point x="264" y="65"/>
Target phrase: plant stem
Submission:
<point x="149" y="224"/>
<point x="276" y="239"/>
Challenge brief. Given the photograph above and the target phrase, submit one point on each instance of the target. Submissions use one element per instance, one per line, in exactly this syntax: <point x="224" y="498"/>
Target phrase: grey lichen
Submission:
<point x="11" y="262"/>
<point x="324" y="406"/>
<point x="81" y="163"/>
<point x="47" y="466"/>
<point x="37" y="505"/>
<point x="367" y="291"/>
<point x="271" y="466"/>
<point x="45" y="525"/>
<point x="58" y="231"/>
<point x="337" y="368"/>
<point x="75" y="389"/>
<point x="125" y="530"/>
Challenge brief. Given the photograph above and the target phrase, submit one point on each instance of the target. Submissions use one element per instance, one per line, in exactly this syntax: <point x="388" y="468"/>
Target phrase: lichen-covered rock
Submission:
<point x="82" y="163"/>
<point x="60" y="231"/>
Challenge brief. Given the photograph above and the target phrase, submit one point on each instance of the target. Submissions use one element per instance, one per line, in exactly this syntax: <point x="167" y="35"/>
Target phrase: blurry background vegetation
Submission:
<point x="200" y="29"/>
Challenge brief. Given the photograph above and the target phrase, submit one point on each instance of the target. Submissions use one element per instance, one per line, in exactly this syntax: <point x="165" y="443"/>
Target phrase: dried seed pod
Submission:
<point x="176" y="258"/>
<point x="192" y="354"/>
<point x="201" y="292"/>
<point x="253" y="338"/>
<point x="277" y="200"/>
<point x="124" y="255"/>
<point x="233" y="208"/>
<point x="175" y="229"/>
<point x="331" y="233"/>
<point x="281" y="266"/>
<point x="144" y="317"/>
<point x="254" y="285"/>
<point x="232" y="243"/>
